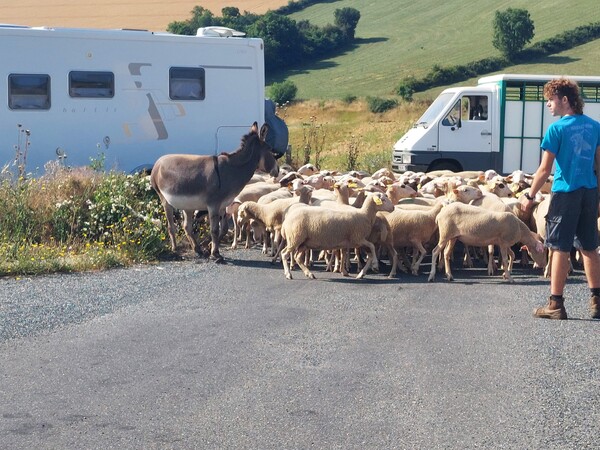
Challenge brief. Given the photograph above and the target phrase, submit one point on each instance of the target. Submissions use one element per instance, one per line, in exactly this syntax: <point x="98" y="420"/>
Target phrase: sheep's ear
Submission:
<point x="377" y="200"/>
<point x="455" y="190"/>
<point x="352" y="185"/>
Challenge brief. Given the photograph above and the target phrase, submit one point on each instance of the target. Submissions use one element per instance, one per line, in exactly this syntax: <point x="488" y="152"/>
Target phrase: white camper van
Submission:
<point x="126" y="96"/>
<point x="498" y="124"/>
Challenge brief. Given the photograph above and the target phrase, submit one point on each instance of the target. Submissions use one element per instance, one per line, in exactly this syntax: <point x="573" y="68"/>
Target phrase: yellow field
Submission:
<point x="152" y="15"/>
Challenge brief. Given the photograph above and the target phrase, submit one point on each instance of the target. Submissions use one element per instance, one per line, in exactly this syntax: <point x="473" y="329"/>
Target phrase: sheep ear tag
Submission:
<point x="377" y="201"/>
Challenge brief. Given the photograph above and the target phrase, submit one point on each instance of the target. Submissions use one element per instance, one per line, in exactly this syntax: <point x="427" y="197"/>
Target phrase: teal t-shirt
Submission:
<point x="573" y="140"/>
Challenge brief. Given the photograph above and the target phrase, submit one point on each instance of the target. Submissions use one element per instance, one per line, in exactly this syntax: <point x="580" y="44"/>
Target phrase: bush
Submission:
<point x="349" y="98"/>
<point x="73" y="219"/>
<point x="284" y="92"/>
<point x="405" y="90"/>
<point x="380" y="105"/>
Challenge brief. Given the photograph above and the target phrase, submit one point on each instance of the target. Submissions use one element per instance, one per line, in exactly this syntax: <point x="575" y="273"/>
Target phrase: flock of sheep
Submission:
<point x="306" y="214"/>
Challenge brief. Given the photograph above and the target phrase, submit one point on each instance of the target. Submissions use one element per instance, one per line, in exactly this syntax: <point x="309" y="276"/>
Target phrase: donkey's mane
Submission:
<point x="238" y="154"/>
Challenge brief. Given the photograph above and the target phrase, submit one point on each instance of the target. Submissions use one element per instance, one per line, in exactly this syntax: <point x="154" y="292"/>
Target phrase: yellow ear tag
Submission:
<point x="377" y="201"/>
<point x="352" y="185"/>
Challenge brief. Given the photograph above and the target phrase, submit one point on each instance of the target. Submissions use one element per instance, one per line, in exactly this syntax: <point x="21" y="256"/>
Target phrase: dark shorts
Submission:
<point x="572" y="220"/>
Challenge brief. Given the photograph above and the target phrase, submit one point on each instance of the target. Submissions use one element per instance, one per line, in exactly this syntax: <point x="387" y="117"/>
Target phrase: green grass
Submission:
<point x="400" y="38"/>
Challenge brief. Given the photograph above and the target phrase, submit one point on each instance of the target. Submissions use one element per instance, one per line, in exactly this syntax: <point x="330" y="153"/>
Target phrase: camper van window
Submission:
<point x="28" y="91"/>
<point x="186" y="83"/>
<point x="91" y="84"/>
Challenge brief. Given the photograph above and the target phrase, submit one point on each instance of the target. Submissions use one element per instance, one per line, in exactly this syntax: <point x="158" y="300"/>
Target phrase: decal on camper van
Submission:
<point x="135" y="69"/>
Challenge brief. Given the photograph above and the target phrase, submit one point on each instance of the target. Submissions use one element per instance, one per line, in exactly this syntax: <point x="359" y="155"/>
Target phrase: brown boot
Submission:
<point x="595" y="307"/>
<point x="553" y="310"/>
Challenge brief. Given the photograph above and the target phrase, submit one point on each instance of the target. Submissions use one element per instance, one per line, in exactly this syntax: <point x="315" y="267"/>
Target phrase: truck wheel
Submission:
<point x="445" y="165"/>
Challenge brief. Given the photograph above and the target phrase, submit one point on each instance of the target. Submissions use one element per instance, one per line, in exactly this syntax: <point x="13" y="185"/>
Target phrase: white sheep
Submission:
<point x="479" y="227"/>
<point x="414" y="228"/>
<point x="271" y="215"/>
<point x="250" y="192"/>
<point x="308" y="170"/>
<point x="320" y="228"/>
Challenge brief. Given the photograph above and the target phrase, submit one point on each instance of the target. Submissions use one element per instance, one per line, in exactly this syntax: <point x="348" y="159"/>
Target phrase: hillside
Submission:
<point x="394" y="38"/>
<point x="400" y="38"/>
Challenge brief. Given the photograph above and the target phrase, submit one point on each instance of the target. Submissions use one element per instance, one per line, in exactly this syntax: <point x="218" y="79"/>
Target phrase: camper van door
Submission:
<point x="466" y="127"/>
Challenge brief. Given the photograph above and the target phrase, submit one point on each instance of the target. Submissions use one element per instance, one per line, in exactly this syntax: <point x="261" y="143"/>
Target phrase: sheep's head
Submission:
<point x="464" y="194"/>
<point x="382" y="202"/>
<point x="537" y="251"/>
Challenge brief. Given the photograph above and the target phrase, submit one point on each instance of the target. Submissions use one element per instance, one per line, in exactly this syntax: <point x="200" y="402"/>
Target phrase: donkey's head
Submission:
<point x="267" y="162"/>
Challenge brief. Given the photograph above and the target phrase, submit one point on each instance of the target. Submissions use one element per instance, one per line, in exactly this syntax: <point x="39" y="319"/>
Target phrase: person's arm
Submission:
<point x="541" y="175"/>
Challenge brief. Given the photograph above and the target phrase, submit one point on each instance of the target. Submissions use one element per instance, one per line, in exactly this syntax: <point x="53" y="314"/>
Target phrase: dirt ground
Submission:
<point x="153" y="15"/>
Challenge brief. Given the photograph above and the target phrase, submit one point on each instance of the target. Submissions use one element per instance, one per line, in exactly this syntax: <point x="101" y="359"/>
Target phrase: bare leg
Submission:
<point x="591" y="265"/>
<point x="559" y="271"/>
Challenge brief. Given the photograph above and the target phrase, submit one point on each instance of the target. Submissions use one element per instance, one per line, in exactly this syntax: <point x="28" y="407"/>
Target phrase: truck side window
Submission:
<point x="453" y="116"/>
<point x="186" y="83"/>
<point x="28" y="91"/>
<point x="478" y="107"/>
<point x="91" y="84"/>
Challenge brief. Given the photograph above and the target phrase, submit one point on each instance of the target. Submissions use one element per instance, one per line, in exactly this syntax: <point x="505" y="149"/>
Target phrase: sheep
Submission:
<point x="414" y="228"/>
<point x="476" y="226"/>
<point x="397" y="191"/>
<point x="271" y="215"/>
<point x="380" y="235"/>
<point x="250" y="192"/>
<point x="308" y="169"/>
<point x="320" y="228"/>
<point x="498" y="187"/>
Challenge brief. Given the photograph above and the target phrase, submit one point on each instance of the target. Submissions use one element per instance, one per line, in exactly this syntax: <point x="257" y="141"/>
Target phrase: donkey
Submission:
<point x="209" y="183"/>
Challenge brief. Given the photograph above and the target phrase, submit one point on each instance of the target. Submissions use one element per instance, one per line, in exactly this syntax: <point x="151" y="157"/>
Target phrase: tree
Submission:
<point x="513" y="29"/>
<point x="283" y="92"/>
<point x="283" y="41"/>
<point x="346" y="20"/>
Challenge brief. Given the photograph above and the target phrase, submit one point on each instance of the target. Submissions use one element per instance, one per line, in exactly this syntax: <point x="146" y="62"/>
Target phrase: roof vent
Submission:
<point x="219" y="32"/>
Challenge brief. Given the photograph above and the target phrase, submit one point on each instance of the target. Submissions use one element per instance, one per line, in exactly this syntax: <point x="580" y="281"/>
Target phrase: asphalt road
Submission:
<point x="190" y="354"/>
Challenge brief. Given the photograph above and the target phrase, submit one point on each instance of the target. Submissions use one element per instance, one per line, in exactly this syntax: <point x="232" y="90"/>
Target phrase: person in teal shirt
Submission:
<point x="573" y="143"/>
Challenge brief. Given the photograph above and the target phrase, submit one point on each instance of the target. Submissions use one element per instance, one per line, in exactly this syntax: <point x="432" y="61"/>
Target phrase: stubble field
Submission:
<point x="152" y="15"/>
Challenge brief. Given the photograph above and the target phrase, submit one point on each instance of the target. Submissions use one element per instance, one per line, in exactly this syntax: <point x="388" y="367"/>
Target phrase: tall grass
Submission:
<point x="341" y="134"/>
<point x="77" y="219"/>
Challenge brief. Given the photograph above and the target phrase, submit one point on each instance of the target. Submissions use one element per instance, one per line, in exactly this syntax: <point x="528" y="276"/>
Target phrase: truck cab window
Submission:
<point x="186" y="83"/>
<point x="28" y="91"/>
<point x="478" y="107"/>
<point x="453" y="117"/>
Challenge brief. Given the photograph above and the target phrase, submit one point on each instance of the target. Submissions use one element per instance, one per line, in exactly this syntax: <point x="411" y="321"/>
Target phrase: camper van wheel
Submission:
<point x="445" y="165"/>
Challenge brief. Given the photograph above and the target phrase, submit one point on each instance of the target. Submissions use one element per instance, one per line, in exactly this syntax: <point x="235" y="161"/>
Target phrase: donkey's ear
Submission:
<point x="254" y="128"/>
<point x="264" y="130"/>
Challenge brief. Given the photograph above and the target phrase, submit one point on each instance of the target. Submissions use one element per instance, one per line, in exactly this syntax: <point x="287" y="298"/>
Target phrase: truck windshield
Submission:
<point x="435" y="109"/>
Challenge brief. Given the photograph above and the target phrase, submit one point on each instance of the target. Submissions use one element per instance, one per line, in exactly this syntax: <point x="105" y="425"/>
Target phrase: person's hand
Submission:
<point x="525" y="202"/>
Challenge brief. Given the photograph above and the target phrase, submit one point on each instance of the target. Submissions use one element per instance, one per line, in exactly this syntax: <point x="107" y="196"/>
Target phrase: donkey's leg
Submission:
<point x="188" y="226"/>
<point x="170" y="223"/>
<point x="215" y="228"/>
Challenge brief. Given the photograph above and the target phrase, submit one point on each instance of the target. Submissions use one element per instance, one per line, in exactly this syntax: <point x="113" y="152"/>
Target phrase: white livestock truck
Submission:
<point x="498" y="124"/>
<point x="128" y="96"/>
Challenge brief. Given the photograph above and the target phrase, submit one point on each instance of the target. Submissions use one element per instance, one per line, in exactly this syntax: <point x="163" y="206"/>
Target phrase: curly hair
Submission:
<point x="564" y="87"/>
